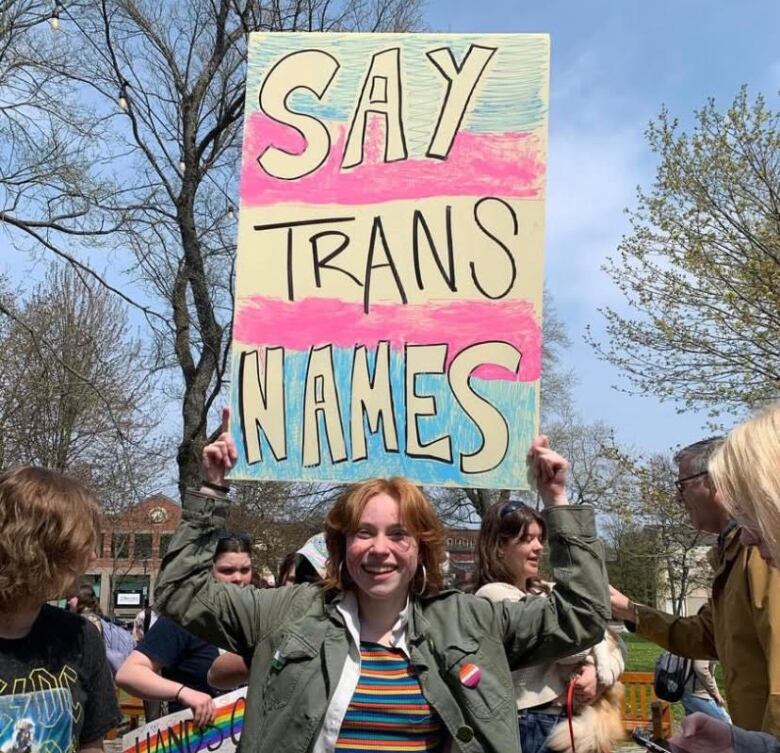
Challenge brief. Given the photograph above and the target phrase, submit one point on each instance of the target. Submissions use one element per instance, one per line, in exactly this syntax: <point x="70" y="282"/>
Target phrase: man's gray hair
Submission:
<point x="699" y="453"/>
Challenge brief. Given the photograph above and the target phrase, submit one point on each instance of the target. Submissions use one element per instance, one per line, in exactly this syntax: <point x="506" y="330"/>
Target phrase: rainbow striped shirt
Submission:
<point x="388" y="711"/>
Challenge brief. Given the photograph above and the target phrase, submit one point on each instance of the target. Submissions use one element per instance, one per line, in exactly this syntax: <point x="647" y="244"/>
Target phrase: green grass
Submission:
<point x="642" y="654"/>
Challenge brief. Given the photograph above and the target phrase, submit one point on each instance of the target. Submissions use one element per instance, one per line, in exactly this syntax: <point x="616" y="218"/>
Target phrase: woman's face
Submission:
<point x="521" y="554"/>
<point x="233" y="567"/>
<point x="382" y="555"/>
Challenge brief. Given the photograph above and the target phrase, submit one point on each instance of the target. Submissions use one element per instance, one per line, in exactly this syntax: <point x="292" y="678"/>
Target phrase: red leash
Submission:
<point x="570" y="711"/>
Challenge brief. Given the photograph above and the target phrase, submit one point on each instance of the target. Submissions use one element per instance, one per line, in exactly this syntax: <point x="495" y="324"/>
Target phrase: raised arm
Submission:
<point x="224" y="614"/>
<point x="573" y="617"/>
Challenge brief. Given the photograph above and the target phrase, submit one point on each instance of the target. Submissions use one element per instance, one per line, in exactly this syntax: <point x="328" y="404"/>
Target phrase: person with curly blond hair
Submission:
<point x="50" y="658"/>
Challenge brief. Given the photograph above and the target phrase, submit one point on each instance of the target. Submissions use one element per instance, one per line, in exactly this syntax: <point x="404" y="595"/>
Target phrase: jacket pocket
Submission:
<point x="288" y="665"/>
<point x="489" y="694"/>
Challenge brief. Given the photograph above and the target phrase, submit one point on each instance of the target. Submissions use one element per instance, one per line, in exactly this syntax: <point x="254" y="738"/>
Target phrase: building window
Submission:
<point x="120" y="546"/>
<point x="143" y="546"/>
<point x="165" y="541"/>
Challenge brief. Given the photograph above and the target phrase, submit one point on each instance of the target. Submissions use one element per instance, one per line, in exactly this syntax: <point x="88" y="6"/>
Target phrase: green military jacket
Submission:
<point x="298" y="642"/>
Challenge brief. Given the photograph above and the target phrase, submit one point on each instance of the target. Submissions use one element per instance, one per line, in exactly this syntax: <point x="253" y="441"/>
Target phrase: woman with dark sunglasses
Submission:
<point x="509" y="550"/>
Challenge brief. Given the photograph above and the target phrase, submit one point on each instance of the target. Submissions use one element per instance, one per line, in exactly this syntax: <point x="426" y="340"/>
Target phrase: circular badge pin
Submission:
<point x="470" y="675"/>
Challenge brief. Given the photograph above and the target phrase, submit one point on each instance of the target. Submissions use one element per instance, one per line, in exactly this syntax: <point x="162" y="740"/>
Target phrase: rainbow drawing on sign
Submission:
<point x="177" y="733"/>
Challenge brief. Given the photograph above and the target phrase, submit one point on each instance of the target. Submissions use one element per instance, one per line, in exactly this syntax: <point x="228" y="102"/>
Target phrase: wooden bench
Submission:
<point x="132" y="709"/>
<point x="642" y="708"/>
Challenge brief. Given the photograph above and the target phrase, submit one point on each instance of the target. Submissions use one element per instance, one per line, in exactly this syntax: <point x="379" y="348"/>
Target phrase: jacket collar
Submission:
<point x="728" y="549"/>
<point x="345" y="609"/>
<point x="418" y="624"/>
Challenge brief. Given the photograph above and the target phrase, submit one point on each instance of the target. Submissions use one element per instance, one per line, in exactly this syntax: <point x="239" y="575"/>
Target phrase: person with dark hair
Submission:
<point x="87" y="604"/>
<point x="49" y="658"/>
<point x="509" y="550"/>
<point x="377" y="655"/>
<point x="306" y="565"/>
<point x="738" y="625"/>
<point x="172" y="665"/>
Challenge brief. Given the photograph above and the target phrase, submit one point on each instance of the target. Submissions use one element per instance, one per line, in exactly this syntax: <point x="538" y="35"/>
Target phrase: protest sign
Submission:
<point x="389" y="273"/>
<point x="176" y="733"/>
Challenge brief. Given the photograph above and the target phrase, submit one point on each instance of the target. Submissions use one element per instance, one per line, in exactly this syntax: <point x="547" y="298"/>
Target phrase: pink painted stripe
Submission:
<point x="317" y="321"/>
<point x="492" y="164"/>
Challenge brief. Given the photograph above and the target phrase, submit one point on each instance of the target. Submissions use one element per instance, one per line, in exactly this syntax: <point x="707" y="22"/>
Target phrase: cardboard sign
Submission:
<point x="389" y="278"/>
<point x="176" y="733"/>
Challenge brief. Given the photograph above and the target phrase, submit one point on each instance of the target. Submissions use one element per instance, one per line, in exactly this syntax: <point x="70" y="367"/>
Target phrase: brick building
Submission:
<point x="461" y="546"/>
<point x="131" y="546"/>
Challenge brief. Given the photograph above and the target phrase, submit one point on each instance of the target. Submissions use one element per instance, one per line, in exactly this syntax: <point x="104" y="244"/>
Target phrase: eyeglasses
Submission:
<point x="680" y="482"/>
<point x="510" y="507"/>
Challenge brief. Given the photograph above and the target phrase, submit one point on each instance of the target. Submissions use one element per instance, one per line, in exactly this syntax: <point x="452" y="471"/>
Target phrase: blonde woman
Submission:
<point x="746" y="471"/>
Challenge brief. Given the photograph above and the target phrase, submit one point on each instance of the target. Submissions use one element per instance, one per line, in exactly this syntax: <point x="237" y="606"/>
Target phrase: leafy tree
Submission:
<point x="653" y="544"/>
<point x="701" y="268"/>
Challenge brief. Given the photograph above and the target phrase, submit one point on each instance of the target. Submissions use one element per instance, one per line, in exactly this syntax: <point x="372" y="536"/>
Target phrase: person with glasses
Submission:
<point x="511" y="541"/>
<point x="170" y="664"/>
<point x="378" y="656"/>
<point x="739" y="623"/>
<point x="746" y="472"/>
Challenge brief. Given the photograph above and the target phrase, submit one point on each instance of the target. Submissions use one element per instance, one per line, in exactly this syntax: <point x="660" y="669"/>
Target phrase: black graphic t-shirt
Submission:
<point x="56" y="690"/>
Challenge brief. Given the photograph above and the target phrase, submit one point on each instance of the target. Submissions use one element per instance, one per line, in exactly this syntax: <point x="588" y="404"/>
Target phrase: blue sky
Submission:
<point x="614" y="63"/>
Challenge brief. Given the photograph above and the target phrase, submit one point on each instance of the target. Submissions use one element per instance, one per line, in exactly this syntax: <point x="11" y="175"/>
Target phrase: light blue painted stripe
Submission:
<point x="515" y="400"/>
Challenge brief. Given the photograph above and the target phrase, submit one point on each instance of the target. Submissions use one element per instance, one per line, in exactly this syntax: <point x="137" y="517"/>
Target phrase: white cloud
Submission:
<point x="592" y="179"/>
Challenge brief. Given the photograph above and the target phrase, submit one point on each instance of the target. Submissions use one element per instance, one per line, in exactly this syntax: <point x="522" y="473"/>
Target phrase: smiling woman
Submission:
<point x="509" y="547"/>
<point x="385" y="538"/>
<point x="377" y="655"/>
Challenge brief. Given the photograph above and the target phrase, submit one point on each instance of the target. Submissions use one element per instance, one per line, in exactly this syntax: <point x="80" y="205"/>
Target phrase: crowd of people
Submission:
<point x="361" y="647"/>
